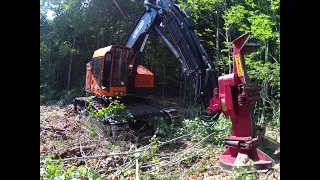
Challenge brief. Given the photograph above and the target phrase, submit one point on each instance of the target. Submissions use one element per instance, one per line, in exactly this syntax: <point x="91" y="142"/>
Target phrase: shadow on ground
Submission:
<point x="270" y="147"/>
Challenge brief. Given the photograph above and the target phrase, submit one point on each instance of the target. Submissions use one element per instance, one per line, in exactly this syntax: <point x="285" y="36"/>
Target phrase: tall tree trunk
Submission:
<point x="151" y="61"/>
<point x="98" y="39"/>
<point x="223" y="68"/>
<point x="190" y="94"/>
<point x="164" y="80"/>
<point x="265" y="88"/>
<point x="227" y="39"/>
<point x="217" y="43"/>
<point x="185" y="89"/>
<point x="62" y="84"/>
<point x="276" y="28"/>
<point x="180" y="83"/>
<point x="85" y="38"/>
<point x="274" y="17"/>
<point x="102" y="45"/>
<point x="49" y="70"/>
<point x="71" y="58"/>
<point x="229" y="57"/>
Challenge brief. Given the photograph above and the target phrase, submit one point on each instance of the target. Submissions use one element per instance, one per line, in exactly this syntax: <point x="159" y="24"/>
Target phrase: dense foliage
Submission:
<point x="79" y="27"/>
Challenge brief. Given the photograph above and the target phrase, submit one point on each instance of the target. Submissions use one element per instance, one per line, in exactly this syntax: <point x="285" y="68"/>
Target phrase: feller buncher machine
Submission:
<point x="115" y="70"/>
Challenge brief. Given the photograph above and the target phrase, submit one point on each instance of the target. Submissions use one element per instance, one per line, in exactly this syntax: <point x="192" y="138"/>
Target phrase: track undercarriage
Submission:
<point x="142" y="109"/>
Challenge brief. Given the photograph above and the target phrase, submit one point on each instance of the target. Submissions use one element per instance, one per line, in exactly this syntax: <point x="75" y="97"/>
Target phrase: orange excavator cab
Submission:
<point x="107" y="72"/>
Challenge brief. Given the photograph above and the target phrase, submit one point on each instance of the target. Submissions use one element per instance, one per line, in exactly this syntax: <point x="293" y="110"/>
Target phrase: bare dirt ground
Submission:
<point x="63" y="136"/>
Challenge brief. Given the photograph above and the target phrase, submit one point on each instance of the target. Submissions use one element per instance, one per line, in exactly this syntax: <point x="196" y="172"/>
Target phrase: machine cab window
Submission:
<point x="120" y="66"/>
<point x="96" y="70"/>
<point x="106" y="72"/>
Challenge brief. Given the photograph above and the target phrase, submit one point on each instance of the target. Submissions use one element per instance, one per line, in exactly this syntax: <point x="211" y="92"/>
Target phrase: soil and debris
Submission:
<point x="63" y="135"/>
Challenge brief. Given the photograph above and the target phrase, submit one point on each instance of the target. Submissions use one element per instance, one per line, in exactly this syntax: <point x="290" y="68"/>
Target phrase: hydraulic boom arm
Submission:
<point x="164" y="14"/>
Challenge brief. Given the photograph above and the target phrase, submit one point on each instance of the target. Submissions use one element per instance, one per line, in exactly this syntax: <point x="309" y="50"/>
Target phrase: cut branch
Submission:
<point x="99" y="156"/>
<point x="175" y="140"/>
<point x="222" y="35"/>
<point x="273" y="58"/>
<point x="137" y="169"/>
<point x="123" y="153"/>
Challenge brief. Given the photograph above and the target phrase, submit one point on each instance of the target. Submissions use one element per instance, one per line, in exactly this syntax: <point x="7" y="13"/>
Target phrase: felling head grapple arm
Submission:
<point x="234" y="98"/>
<point x="236" y="92"/>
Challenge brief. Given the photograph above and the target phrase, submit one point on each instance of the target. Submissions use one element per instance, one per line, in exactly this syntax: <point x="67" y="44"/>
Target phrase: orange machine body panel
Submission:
<point x="88" y="78"/>
<point x="144" y="78"/>
<point x="95" y="88"/>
